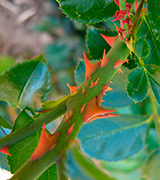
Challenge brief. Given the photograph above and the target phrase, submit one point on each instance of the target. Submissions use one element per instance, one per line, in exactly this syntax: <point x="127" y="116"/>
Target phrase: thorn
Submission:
<point x="120" y="70"/>
<point x="83" y="90"/>
<point x="82" y="108"/>
<point x="119" y="63"/>
<point x="5" y="150"/>
<point x="90" y="68"/>
<point x="93" y="84"/>
<point x="70" y="129"/>
<point x="105" y="60"/>
<point x="105" y="88"/>
<point x="93" y="111"/>
<point x="68" y="115"/>
<point x="72" y="88"/>
<point x="109" y="39"/>
<point x="47" y="142"/>
<point x="136" y="5"/>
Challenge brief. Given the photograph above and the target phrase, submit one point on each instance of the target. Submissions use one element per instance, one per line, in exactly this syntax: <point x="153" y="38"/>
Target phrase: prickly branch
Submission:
<point x="82" y="107"/>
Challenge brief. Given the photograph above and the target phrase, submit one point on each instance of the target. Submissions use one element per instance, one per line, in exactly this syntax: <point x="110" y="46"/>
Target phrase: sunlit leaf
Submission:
<point x="26" y="84"/>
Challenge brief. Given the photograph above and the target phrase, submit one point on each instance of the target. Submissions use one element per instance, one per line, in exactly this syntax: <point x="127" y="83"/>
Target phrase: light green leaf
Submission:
<point x="115" y="138"/>
<point x="26" y="84"/>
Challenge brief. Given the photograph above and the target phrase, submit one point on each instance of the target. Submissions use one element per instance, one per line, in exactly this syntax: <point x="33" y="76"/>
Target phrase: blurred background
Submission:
<point x="29" y="28"/>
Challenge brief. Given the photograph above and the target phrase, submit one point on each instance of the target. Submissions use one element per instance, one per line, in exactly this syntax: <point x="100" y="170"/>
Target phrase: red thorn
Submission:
<point x="70" y="129"/>
<point x="90" y="68"/>
<point x="47" y="142"/>
<point x="72" y="88"/>
<point x="119" y="62"/>
<point x="82" y="108"/>
<point x="68" y="115"/>
<point x="83" y="90"/>
<point x="109" y="39"/>
<point x="93" y="84"/>
<point x="136" y="5"/>
<point x="93" y="111"/>
<point x="105" y="60"/>
<point x="5" y="150"/>
<point x="120" y="70"/>
<point x="117" y="2"/>
<point x="105" y="88"/>
<point x="75" y="141"/>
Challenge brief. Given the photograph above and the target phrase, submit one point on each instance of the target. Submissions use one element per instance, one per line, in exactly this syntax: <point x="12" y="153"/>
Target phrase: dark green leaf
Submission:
<point x="152" y="166"/>
<point x="153" y="73"/>
<point x="95" y="42"/>
<point x="88" y="11"/>
<point x="22" y="120"/>
<point x="49" y="174"/>
<point x="115" y="138"/>
<point x="144" y="30"/>
<point x="4" y="123"/>
<point x="154" y="16"/>
<point x="138" y="84"/>
<point x="142" y="48"/>
<point x="26" y="84"/>
<point x="155" y="88"/>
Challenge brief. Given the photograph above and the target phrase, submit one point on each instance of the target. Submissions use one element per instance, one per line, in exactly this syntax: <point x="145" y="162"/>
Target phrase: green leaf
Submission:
<point x="80" y="72"/>
<point x="22" y="120"/>
<point x="113" y="139"/>
<point x="22" y="151"/>
<point x="26" y="84"/>
<point x="153" y="73"/>
<point x="154" y="17"/>
<point x="118" y="96"/>
<point x="138" y="84"/>
<point x="142" y="48"/>
<point x="52" y="103"/>
<point x="144" y="30"/>
<point x="88" y="11"/>
<point x="95" y="42"/>
<point x="152" y="166"/>
<point x="49" y="174"/>
<point x="4" y="123"/>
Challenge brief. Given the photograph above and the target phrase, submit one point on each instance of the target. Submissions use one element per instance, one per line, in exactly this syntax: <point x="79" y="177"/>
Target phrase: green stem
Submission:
<point x="27" y="130"/>
<point x="155" y="114"/>
<point x="33" y="169"/>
